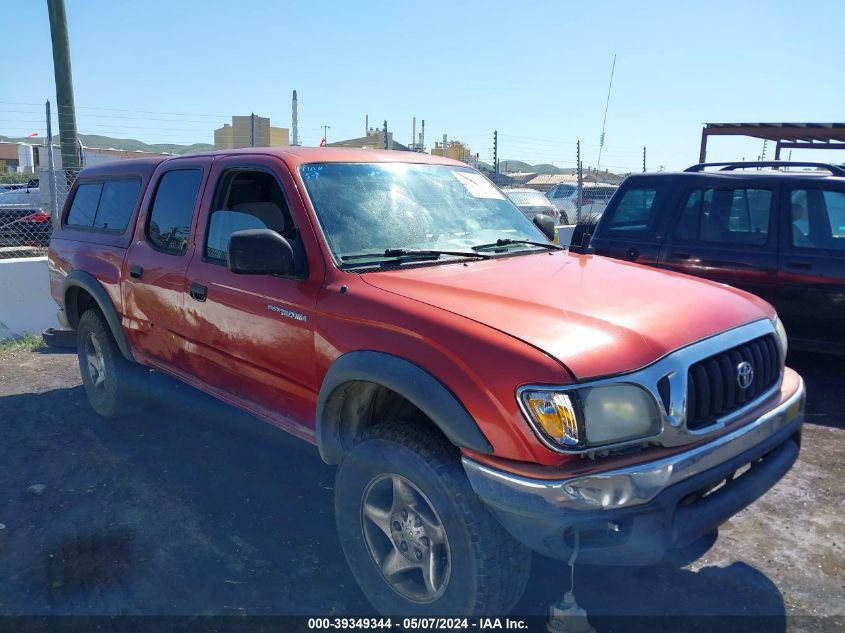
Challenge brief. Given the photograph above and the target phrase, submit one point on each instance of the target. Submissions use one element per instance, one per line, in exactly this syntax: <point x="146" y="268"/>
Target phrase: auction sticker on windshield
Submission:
<point x="477" y="185"/>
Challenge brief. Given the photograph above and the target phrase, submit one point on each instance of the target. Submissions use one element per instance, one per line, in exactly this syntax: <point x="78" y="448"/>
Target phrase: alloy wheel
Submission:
<point x="405" y="538"/>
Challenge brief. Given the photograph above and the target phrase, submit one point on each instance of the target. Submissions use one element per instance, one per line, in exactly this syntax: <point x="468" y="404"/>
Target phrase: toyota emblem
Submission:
<point x="744" y="375"/>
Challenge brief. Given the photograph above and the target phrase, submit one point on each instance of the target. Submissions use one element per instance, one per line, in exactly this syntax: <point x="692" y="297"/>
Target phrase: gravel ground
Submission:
<point x="193" y="508"/>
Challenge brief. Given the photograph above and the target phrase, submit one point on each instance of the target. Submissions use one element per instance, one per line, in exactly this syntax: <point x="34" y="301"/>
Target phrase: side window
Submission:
<point x="834" y="201"/>
<point x="246" y="200"/>
<point x="117" y="202"/>
<point x="173" y="209"/>
<point x="818" y="219"/>
<point x="635" y="211"/>
<point x="727" y="216"/>
<point x="84" y="206"/>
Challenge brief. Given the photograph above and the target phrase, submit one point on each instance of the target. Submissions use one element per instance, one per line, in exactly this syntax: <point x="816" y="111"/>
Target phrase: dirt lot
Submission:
<point x="193" y="508"/>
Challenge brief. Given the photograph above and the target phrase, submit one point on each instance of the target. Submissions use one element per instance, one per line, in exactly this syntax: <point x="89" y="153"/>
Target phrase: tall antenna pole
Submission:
<point x="496" y="156"/>
<point x="252" y="129"/>
<point x="295" y="121"/>
<point x="643" y="158"/>
<point x="385" y="134"/>
<point x="606" y="106"/>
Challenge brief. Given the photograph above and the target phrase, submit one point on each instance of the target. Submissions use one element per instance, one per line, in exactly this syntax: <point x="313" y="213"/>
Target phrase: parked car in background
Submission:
<point x="594" y="198"/>
<point x="25" y="227"/>
<point x="532" y="202"/>
<point x="778" y="234"/>
<point x="28" y="193"/>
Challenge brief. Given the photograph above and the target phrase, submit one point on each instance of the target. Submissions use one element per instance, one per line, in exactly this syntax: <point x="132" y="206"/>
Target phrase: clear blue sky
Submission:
<point x="172" y="71"/>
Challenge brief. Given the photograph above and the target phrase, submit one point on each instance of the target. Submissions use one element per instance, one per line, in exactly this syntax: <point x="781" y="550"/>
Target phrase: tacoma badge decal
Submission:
<point x="288" y="313"/>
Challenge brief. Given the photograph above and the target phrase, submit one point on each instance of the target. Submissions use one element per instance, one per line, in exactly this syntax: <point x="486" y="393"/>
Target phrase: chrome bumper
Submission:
<point x="634" y="485"/>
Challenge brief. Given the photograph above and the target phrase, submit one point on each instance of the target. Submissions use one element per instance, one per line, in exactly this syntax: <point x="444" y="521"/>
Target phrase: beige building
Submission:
<point x="452" y="149"/>
<point x="238" y="134"/>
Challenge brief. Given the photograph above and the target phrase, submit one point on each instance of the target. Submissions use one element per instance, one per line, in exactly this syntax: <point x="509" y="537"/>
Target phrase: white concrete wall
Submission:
<point x="564" y="234"/>
<point x="26" y="306"/>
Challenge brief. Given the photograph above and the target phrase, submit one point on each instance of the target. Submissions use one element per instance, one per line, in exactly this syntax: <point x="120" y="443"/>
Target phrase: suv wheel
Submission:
<point x="416" y="537"/>
<point x="111" y="382"/>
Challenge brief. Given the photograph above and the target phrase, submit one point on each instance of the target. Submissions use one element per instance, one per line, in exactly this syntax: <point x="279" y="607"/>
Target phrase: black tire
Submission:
<point x="112" y="383"/>
<point x="484" y="571"/>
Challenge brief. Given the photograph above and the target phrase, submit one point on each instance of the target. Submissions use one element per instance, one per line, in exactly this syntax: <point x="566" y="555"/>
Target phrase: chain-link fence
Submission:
<point x="29" y="213"/>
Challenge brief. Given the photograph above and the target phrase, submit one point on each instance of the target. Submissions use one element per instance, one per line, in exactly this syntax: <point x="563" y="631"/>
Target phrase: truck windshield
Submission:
<point x="375" y="207"/>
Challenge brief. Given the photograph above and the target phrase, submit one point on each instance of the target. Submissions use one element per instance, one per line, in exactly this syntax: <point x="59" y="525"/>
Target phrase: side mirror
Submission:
<point x="260" y="252"/>
<point x="546" y="225"/>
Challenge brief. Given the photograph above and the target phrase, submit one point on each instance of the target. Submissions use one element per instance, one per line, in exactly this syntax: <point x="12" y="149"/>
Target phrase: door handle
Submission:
<point x="136" y="272"/>
<point x="199" y="292"/>
<point x="799" y="265"/>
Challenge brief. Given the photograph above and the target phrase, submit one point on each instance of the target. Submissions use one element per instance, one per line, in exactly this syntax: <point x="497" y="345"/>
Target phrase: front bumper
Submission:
<point x="633" y="515"/>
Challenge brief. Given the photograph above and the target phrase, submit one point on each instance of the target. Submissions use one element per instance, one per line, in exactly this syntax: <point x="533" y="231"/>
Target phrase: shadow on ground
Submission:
<point x="192" y="507"/>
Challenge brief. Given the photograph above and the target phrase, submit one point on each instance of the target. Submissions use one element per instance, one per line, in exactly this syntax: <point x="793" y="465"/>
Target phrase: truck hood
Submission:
<point x="597" y="316"/>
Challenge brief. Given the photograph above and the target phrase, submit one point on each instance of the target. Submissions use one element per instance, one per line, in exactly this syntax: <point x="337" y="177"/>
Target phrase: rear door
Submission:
<point x="154" y="268"/>
<point x="633" y="226"/>
<point x="727" y="234"/>
<point x="811" y="294"/>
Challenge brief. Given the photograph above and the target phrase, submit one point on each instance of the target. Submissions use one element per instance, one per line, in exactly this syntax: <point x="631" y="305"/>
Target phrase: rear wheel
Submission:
<point x="111" y="382"/>
<point x="416" y="537"/>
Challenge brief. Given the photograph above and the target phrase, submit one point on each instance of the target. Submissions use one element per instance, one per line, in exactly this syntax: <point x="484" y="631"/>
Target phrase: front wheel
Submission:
<point x="417" y="538"/>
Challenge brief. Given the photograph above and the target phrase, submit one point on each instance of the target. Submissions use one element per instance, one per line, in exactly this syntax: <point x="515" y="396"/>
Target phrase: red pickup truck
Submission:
<point x="484" y="392"/>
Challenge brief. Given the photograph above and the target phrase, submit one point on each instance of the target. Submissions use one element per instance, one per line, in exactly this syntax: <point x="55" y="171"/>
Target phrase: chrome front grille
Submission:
<point x="713" y="384"/>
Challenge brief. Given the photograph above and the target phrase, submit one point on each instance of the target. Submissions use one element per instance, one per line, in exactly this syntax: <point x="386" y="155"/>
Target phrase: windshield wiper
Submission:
<point x="505" y="241"/>
<point x="413" y="253"/>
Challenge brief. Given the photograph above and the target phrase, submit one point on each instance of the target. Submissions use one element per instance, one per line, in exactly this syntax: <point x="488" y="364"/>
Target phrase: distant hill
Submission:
<point x="512" y="166"/>
<point x="126" y="144"/>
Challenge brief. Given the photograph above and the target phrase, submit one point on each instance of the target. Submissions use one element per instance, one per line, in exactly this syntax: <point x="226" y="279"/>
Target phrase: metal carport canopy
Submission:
<point x="784" y="135"/>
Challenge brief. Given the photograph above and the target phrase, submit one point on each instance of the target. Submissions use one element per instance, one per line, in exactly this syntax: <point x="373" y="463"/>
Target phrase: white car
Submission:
<point x="594" y="198"/>
<point x="532" y="202"/>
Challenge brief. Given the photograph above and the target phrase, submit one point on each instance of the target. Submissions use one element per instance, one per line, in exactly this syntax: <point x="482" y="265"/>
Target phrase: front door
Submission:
<point x="252" y="336"/>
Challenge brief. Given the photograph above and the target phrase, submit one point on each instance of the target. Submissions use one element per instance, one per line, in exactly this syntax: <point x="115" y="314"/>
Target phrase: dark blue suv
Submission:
<point x="776" y="229"/>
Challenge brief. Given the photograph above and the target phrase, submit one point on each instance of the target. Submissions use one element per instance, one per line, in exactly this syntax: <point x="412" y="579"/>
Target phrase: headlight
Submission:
<point x="593" y="416"/>
<point x="781" y="332"/>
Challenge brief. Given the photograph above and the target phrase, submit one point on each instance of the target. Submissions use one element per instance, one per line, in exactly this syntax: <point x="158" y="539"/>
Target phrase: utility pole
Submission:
<point x="385" y="134"/>
<point x="643" y="158"/>
<point x="252" y="129"/>
<point x="64" y="84"/>
<point x="326" y="129"/>
<point x="496" y="156"/>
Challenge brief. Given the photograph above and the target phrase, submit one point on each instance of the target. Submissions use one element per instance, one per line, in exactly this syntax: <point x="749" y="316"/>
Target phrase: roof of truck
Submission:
<point x="300" y="155"/>
<point x="132" y="166"/>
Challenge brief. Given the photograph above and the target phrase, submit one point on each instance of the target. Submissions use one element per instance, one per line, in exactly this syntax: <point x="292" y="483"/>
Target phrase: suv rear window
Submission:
<point x="634" y="213"/>
<point x="104" y="206"/>
<point x="818" y="219"/>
